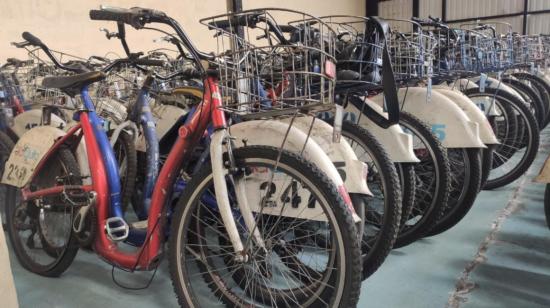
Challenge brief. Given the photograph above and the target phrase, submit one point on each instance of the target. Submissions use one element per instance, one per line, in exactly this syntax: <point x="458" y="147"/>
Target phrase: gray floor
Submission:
<point x="498" y="256"/>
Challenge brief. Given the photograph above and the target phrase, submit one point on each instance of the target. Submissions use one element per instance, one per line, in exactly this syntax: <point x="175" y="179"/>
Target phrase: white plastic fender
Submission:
<point x="23" y="122"/>
<point x="341" y="154"/>
<point x="544" y="174"/>
<point x="483" y="103"/>
<point x="475" y="114"/>
<point x="29" y="150"/>
<point x="497" y="84"/>
<point x="272" y="133"/>
<point x="397" y="143"/>
<point x="449" y="123"/>
<point x="32" y="118"/>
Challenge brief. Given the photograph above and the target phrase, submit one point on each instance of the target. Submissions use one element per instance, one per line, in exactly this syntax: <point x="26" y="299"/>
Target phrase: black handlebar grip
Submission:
<point x="191" y="72"/>
<point x="249" y="20"/>
<point x="33" y="40"/>
<point x="111" y="16"/>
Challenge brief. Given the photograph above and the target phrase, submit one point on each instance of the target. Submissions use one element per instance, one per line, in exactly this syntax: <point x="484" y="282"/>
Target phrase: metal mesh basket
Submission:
<point x="458" y="53"/>
<point x="528" y="49"/>
<point x="411" y="51"/>
<point x="495" y="50"/>
<point x="270" y="68"/>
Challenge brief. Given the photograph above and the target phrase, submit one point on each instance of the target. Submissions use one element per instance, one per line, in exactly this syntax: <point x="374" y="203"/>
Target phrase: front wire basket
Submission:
<point x="412" y="52"/>
<point x="268" y="68"/>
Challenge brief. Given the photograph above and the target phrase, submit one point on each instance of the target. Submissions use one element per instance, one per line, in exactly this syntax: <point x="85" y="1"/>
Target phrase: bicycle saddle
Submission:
<point x="74" y="83"/>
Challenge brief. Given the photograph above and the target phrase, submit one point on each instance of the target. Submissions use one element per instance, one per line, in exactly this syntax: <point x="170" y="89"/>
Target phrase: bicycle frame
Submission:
<point x="189" y="135"/>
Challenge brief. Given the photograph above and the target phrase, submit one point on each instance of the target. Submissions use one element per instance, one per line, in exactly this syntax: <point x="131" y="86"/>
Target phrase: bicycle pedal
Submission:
<point x="117" y="229"/>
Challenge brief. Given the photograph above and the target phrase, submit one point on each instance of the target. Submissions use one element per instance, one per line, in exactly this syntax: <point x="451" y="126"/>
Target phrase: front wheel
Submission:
<point x="311" y="257"/>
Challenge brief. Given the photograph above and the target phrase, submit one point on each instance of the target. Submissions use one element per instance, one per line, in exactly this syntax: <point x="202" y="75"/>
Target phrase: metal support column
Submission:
<point x="525" y="10"/>
<point x="371" y="7"/>
<point x="416" y="8"/>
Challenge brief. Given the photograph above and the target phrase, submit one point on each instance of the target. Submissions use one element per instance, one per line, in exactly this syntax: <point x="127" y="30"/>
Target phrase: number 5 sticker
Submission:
<point x="439" y="131"/>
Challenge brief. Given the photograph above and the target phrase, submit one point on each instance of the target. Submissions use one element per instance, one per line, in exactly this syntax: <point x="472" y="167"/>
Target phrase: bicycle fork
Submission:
<point x="219" y="140"/>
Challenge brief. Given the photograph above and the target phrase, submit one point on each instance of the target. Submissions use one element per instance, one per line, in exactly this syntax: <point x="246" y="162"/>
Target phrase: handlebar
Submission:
<point x="430" y="22"/>
<point x="250" y="20"/>
<point x="139" y="17"/>
<point x="32" y="40"/>
<point x="135" y="17"/>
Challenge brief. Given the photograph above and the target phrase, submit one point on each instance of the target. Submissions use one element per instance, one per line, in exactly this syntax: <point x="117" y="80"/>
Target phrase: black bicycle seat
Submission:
<point x="74" y="83"/>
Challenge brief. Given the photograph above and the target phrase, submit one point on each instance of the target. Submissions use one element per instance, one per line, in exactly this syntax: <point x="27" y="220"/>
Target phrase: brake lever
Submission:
<point x="21" y="44"/>
<point x="108" y="34"/>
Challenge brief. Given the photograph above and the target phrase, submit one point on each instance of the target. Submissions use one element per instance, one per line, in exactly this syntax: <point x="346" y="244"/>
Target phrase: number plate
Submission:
<point x="27" y="153"/>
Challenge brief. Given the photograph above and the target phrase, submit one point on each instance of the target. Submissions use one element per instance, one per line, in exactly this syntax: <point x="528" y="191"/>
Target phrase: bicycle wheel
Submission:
<point x="465" y="167"/>
<point x="41" y="232"/>
<point x="506" y="129"/>
<point x="312" y="256"/>
<point x="533" y="100"/>
<point x="432" y="181"/>
<point x="6" y="145"/>
<point x="486" y="163"/>
<point x="383" y="210"/>
<point x="512" y="167"/>
<point x="541" y="86"/>
<point x="407" y="180"/>
<point x="126" y="155"/>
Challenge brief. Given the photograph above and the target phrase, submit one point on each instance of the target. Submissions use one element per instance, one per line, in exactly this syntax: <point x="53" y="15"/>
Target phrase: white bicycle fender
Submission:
<point x="397" y="143"/>
<point x="27" y="120"/>
<point x="496" y="84"/>
<point x="271" y="133"/>
<point x="475" y="114"/>
<point x="341" y="154"/>
<point x="32" y="118"/>
<point x="448" y="122"/>
<point x="483" y="103"/>
<point x="29" y="150"/>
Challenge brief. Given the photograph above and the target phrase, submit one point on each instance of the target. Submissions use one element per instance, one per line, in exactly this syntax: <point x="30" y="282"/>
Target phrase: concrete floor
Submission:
<point x="498" y="256"/>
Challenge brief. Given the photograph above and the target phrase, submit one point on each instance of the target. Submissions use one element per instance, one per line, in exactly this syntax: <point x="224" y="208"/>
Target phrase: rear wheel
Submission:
<point x="6" y="145"/>
<point x="432" y="181"/>
<point x="519" y="153"/>
<point x="383" y="210"/>
<point x="126" y="155"/>
<point x="465" y="183"/>
<point x="311" y="256"/>
<point x="41" y="231"/>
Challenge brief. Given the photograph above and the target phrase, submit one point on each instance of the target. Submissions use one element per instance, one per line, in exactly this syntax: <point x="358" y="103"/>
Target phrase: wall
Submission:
<point x="461" y="9"/>
<point x="65" y="25"/>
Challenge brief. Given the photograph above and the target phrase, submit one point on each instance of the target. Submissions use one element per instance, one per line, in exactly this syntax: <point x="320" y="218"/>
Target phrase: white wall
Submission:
<point x="461" y="9"/>
<point x="65" y="24"/>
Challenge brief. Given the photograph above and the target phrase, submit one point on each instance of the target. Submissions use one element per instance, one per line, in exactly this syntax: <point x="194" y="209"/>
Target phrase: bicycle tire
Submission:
<point x="381" y="246"/>
<point x="457" y="209"/>
<point x="68" y="162"/>
<point x="530" y="129"/>
<point x="429" y="210"/>
<point x="349" y="248"/>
